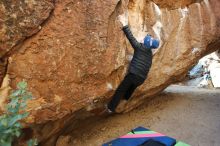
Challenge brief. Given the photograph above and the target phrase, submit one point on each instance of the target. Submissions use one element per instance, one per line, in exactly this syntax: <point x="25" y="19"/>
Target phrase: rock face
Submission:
<point x="18" y="21"/>
<point x="80" y="55"/>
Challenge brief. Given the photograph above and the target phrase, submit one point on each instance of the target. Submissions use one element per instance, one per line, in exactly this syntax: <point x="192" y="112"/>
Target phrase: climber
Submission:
<point x="138" y="68"/>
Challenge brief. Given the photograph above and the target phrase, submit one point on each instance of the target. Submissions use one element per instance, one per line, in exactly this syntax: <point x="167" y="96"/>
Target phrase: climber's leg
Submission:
<point x="136" y="81"/>
<point x="130" y="91"/>
<point x="120" y="92"/>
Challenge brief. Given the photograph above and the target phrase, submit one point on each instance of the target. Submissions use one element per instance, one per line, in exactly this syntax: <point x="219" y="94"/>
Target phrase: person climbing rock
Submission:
<point x="138" y="68"/>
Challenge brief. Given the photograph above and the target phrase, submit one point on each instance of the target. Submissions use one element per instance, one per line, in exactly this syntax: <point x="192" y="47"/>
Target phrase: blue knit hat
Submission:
<point x="150" y="42"/>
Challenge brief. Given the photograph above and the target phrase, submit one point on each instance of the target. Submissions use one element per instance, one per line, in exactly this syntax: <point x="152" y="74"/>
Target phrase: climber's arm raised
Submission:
<point x="124" y="21"/>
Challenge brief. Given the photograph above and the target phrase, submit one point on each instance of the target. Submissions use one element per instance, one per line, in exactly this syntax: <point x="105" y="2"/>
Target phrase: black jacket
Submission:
<point x="142" y="58"/>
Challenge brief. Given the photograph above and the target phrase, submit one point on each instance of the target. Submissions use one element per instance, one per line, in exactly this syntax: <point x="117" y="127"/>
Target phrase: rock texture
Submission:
<point x="80" y="55"/>
<point x="19" y="20"/>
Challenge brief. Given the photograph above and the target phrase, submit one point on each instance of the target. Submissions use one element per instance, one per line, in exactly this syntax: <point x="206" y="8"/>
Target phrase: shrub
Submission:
<point x="10" y="126"/>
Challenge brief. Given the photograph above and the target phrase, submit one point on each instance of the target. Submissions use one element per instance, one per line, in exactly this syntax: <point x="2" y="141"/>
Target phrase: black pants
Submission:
<point x="125" y="90"/>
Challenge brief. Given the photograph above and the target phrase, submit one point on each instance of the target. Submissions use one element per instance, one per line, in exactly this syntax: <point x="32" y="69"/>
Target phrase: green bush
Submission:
<point x="10" y="127"/>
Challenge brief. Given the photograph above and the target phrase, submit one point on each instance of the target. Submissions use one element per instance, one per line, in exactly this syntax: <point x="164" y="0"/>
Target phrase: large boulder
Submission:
<point x="80" y="54"/>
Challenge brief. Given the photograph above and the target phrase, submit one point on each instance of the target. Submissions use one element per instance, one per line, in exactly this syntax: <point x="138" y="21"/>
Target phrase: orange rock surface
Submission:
<point x="79" y="55"/>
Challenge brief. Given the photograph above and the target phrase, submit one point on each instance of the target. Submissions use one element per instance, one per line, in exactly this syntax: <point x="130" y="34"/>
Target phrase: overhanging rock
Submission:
<point x="80" y="55"/>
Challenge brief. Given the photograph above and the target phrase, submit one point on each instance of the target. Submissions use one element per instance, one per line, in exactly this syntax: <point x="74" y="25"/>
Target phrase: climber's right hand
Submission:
<point x="123" y="18"/>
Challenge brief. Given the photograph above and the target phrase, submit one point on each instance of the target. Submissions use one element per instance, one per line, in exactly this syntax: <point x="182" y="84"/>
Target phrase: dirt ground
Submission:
<point x="188" y="114"/>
